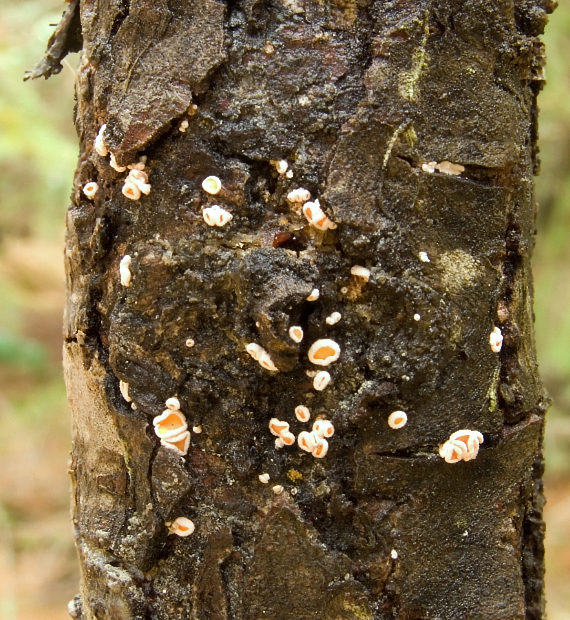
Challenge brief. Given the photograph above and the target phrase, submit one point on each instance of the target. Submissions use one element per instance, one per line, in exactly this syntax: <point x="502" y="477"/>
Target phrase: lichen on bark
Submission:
<point x="356" y="96"/>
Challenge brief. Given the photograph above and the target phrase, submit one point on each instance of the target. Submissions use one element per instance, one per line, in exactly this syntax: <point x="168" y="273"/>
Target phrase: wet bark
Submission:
<point x="356" y="95"/>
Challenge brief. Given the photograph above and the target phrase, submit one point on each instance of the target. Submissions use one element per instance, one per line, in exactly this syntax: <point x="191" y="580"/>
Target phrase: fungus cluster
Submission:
<point x="315" y="441"/>
<point x="171" y="428"/>
<point x="280" y="429"/>
<point x="463" y="445"/>
<point x="317" y="217"/>
<point x="136" y="184"/>
<point x="216" y="216"/>
<point x="261" y="356"/>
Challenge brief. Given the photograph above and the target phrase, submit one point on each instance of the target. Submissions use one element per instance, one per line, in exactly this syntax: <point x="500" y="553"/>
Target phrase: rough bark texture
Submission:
<point x="356" y="95"/>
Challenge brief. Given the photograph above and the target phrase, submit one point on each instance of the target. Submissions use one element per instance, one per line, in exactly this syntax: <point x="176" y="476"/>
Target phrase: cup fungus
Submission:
<point x="260" y="355"/>
<point x="321" y="380"/>
<point x="317" y="217"/>
<point x="324" y="352"/>
<point x="397" y="419"/>
<point x="130" y="190"/>
<point x="125" y="270"/>
<point x="323" y="428"/>
<point x="216" y="216"/>
<point x="462" y="445"/>
<point x="90" y="189"/>
<point x="179" y="443"/>
<point x="181" y="527"/>
<point x="264" y="478"/>
<point x="314" y="295"/>
<point x="296" y="333"/>
<point x="113" y="163"/>
<point x="333" y="318"/>
<point x="99" y="142"/>
<point x="360" y="272"/>
<point x="302" y="413"/>
<point x="299" y="195"/>
<point x="170" y="423"/>
<point x="212" y="185"/>
<point x="124" y="388"/>
<point x="173" y="403"/>
<point x="321" y="448"/>
<point x="496" y="340"/>
<point x="306" y="441"/>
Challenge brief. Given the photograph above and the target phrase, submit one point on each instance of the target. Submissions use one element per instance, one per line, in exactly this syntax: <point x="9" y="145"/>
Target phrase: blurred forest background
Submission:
<point x="38" y="150"/>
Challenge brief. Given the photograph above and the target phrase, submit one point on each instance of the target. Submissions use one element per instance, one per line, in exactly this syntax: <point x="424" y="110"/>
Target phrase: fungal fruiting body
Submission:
<point x="183" y="126"/>
<point x="314" y="295"/>
<point x="321" y="448"/>
<point x="136" y="184"/>
<point x="99" y="143"/>
<point x="124" y="388"/>
<point x="299" y="195"/>
<point x="463" y="445"/>
<point x="179" y="443"/>
<point x="281" y="165"/>
<point x="397" y="419"/>
<point x="181" y="527"/>
<point x="277" y="489"/>
<point x="323" y="428"/>
<point x="113" y="163"/>
<point x="170" y="423"/>
<point x="496" y="340"/>
<point x="302" y="413"/>
<point x="263" y="478"/>
<point x="429" y="166"/>
<point x="130" y="191"/>
<point x="417" y="317"/>
<point x="306" y="441"/>
<point x="216" y="216"/>
<point x="333" y="318"/>
<point x="173" y="403"/>
<point x="261" y="356"/>
<point x="90" y="189"/>
<point x="190" y="342"/>
<point x="197" y="429"/>
<point x="296" y="333"/>
<point x="424" y="257"/>
<point x="317" y="217"/>
<point x="280" y="429"/>
<point x="125" y="270"/>
<point x="321" y="380"/>
<point x="324" y="352"/>
<point x="212" y="185"/>
<point x="360" y="272"/>
<point x="446" y="167"/>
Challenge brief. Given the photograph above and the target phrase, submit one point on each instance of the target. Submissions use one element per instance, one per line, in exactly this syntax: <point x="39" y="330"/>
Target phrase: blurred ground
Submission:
<point x="38" y="570"/>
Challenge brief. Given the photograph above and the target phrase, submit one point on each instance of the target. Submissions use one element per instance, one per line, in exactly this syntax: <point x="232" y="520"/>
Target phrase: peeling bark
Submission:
<point x="357" y="96"/>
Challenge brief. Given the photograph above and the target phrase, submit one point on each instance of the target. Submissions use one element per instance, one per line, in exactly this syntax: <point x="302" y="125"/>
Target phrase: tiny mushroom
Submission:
<point x="321" y="380"/>
<point x="324" y="352"/>
<point x="314" y="295"/>
<point x="302" y="413"/>
<point x="125" y="270"/>
<point x="323" y="428"/>
<point x="496" y="340"/>
<point x="90" y="189"/>
<point x="296" y="333"/>
<point x="181" y="527"/>
<point x="99" y="143"/>
<point x="333" y="318"/>
<point x="216" y="216"/>
<point x="397" y="419"/>
<point x="360" y="272"/>
<point x="321" y="448"/>
<point x="178" y="443"/>
<point x="173" y="403"/>
<point x="113" y="163"/>
<point x="299" y="195"/>
<point x="124" y="388"/>
<point x="317" y="217"/>
<point x="212" y="185"/>
<point x="307" y="441"/>
<point x="170" y="423"/>
<point x="462" y="445"/>
<point x="260" y="355"/>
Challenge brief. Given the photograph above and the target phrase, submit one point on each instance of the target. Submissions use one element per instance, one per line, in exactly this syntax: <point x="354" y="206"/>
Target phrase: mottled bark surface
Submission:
<point x="356" y="95"/>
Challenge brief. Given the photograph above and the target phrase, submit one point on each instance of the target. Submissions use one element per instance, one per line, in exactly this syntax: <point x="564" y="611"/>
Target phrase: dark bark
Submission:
<point x="356" y="95"/>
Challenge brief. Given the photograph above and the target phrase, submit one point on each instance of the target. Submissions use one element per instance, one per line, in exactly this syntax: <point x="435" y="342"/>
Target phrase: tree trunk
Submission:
<point x="414" y="124"/>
